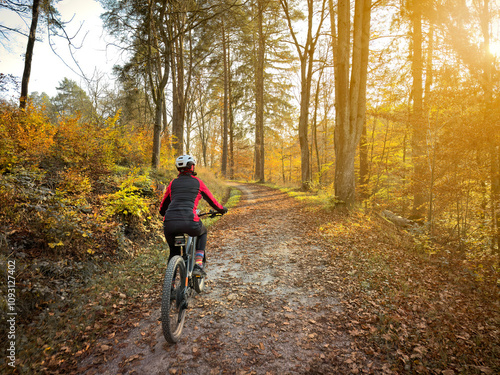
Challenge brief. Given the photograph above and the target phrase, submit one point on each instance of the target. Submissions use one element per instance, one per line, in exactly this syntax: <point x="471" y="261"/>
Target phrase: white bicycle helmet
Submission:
<point x="184" y="161"/>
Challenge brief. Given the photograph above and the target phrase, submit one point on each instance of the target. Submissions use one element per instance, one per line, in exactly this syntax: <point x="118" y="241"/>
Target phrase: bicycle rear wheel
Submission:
<point x="173" y="301"/>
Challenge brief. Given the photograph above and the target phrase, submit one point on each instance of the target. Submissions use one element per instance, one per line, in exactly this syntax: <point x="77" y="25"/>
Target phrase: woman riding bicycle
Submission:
<point x="178" y="208"/>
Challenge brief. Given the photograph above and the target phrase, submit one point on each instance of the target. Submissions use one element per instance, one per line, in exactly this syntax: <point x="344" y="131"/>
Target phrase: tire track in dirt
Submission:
<point x="265" y="309"/>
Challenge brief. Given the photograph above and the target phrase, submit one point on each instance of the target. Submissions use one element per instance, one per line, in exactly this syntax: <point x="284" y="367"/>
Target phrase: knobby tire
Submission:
<point x="172" y="315"/>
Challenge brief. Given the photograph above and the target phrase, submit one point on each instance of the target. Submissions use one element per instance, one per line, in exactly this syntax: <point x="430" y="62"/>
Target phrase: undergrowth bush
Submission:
<point x="131" y="201"/>
<point x="73" y="183"/>
<point x="57" y="196"/>
<point x="42" y="219"/>
<point x="84" y="146"/>
<point x="25" y="136"/>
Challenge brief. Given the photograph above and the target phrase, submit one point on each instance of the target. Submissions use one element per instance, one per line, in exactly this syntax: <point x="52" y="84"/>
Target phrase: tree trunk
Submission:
<point x="202" y="128"/>
<point x="187" y="128"/>
<point x="363" y="164"/>
<point x="341" y="64"/>
<point x="29" y="54"/>
<point x="350" y="98"/>
<point x="155" y="162"/>
<point x="305" y="95"/>
<point x="283" y="162"/>
<point x="178" y="100"/>
<point x="225" y="104"/>
<point x="315" y="124"/>
<point x="164" y="129"/>
<point x="259" y="97"/>
<point x="306" y="55"/>
<point x="428" y="69"/>
<point x="417" y="120"/>
<point x="158" y="80"/>
<point x="231" y="118"/>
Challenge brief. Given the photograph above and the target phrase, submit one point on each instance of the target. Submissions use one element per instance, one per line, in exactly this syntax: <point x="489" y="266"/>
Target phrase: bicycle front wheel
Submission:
<point x="173" y="301"/>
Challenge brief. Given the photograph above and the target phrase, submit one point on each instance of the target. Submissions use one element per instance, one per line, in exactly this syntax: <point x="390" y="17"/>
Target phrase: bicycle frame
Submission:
<point x="190" y="254"/>
<point x="188" y="246"/>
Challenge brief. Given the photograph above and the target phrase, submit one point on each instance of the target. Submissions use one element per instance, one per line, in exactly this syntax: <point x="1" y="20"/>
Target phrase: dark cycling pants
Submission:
<point x="177" y="228"/>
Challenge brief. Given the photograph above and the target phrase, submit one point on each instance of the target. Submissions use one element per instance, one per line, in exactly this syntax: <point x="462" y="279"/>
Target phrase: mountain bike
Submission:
<point x="180" y="283"/>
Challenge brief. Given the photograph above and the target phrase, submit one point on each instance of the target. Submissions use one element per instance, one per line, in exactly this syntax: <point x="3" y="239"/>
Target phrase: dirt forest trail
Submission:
<point x="267" y="307"/>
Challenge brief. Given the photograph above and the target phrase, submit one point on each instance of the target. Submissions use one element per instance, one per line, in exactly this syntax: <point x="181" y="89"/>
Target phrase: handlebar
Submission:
<point x="211" y="213"/>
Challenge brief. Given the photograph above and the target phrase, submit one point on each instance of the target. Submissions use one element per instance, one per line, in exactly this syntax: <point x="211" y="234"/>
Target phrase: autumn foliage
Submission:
<point x="26" y="137"/>
<point x="57" y="191"/>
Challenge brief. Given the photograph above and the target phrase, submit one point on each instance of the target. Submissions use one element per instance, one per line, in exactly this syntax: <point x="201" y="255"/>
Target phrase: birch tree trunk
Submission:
<point x="315" y="122"/>
<point x="495" y="197"/>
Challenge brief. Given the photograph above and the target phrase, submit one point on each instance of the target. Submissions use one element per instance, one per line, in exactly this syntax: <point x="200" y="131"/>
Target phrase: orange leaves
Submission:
<point x="25" y="136"/>
<point x="74" y="183"/>
<point x="85" y="145"/>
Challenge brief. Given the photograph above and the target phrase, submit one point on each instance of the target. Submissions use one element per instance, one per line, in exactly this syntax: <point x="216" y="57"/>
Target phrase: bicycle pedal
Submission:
<point x="199" y="272"/>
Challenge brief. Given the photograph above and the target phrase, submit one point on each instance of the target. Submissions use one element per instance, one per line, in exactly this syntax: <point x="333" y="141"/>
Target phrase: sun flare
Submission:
<point x="495" y="48"/>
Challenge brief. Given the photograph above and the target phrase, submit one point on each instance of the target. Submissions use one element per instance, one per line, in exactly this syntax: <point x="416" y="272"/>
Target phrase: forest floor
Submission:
<point x="295" y="290"/>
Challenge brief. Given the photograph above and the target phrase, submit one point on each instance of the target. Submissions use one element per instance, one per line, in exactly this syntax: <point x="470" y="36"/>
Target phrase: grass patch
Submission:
<point x="316" y="199"/>
<point x="234" y="198"/>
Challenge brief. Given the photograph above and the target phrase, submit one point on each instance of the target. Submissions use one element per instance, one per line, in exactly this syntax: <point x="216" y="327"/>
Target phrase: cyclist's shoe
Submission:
<point x="199" y="271"/>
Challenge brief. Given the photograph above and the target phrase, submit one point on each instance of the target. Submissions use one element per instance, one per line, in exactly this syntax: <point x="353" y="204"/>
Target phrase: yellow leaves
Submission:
<point x="25" y="136"/>
<point x="73" y="182"/>
<point x="129" y="200"/>
<point x="126" y="203"/>
<point x="111" y="122"/>
<point x="53" y="245"/>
